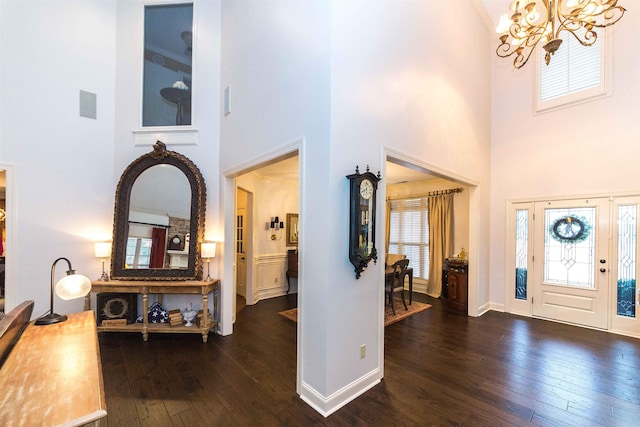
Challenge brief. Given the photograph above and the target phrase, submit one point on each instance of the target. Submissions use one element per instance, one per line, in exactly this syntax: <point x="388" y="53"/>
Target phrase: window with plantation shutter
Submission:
<point x="575" y="74"/>
<point x="409" y="233"/>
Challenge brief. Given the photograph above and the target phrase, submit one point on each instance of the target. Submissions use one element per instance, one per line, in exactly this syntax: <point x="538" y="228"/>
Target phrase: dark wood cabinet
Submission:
<point x="455" y="284"/>
<point x="292" y="266"/>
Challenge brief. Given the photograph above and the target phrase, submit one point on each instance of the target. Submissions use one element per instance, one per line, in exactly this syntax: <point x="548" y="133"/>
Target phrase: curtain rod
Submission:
<point x="148" y="223"/>
<point x="429" y="194"/>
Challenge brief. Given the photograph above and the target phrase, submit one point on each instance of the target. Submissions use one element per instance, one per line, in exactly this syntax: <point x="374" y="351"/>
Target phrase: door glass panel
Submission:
<point x="627" y="244"/>
<point x="569" y="247"/>
<point x="240" y="234"/>
<point x="522" y="246"/>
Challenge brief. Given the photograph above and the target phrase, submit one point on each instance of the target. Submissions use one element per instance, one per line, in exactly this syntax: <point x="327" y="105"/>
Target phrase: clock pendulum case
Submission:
<point x="362" y="219"/>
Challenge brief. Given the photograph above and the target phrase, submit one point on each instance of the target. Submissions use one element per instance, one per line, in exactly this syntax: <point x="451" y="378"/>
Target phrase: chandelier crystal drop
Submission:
<point x="541" y="22"/>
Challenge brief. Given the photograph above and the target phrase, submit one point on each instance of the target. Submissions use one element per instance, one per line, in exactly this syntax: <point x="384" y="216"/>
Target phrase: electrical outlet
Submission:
<point x="363" y="351"/>
<point x="275" y="280"/>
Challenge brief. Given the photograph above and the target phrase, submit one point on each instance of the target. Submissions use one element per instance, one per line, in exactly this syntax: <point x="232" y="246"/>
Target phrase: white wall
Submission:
<point x="392" y="81"/>
<point x="586" y="149"/>
<point x="63" y="163"/>
<point x="401" y="80"/>
<point x="275" y="60"/>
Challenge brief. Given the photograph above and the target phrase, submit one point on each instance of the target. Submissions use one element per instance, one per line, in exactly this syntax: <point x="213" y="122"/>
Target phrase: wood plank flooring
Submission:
<point x="441" y="368"/>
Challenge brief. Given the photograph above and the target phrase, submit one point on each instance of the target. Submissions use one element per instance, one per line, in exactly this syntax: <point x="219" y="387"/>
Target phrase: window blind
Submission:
<point x="409" y="233"/>
<point x="573" y="68"/>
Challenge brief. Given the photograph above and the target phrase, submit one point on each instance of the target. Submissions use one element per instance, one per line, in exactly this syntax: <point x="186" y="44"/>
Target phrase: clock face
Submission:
<point x="366" y="189"/>
<point x="176" y="240"/>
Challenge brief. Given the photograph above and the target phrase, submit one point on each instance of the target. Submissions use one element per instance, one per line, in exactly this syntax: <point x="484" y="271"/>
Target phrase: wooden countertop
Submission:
<point x="53" y="376"/>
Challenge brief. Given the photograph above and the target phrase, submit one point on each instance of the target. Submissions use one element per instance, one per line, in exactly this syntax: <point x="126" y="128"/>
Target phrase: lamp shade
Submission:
<point x="73" y="286"/>
<point x="208" y="249"/>
<point x="103" y="249"/>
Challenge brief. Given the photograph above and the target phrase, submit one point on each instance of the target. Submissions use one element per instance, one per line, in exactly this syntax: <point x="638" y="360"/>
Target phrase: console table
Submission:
<point x="199" y="287"/>
<point x="53" y="376"/>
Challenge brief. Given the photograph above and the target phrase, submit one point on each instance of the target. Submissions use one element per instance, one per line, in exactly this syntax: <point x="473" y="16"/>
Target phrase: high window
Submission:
<point x="575" y="74"/>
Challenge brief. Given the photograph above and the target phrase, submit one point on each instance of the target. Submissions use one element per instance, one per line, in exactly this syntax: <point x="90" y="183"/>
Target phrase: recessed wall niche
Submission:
<point x="167" y="70"/>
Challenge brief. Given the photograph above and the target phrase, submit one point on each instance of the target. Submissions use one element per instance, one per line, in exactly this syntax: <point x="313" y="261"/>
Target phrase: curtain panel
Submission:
<point x="440" y="239"/>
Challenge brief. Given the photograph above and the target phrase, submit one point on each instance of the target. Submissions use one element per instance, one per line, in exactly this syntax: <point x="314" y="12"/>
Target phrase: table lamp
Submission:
<point x="69" y="287"/>
<point x="208" y="252"/>
<point x="103" y="250"/>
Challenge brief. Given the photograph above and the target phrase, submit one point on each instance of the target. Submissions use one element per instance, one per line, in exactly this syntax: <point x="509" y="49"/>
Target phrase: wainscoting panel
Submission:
<point x="270" y="277"/>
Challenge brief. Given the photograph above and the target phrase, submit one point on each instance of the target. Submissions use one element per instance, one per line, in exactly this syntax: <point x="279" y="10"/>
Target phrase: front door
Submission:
<point x="571" y="261"/>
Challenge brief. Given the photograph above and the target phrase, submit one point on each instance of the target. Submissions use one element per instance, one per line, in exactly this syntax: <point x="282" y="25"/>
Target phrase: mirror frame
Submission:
<point x="159" y="156"/>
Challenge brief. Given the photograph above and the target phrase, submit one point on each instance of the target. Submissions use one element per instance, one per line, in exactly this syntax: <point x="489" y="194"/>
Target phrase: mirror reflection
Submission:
<point x="159" y="219"/>
<point x="168" y="35"/>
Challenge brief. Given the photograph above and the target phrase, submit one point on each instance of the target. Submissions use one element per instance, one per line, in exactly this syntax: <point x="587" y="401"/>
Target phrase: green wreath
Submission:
<point x="570" y="228"/>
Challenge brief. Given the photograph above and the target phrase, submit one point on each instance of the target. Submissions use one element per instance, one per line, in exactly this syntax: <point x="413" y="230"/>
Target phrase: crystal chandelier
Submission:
<point x="534" y="22"/>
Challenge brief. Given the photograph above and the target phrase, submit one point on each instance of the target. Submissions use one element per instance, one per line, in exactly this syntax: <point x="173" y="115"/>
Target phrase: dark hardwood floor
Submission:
<point x="441" y="368"/>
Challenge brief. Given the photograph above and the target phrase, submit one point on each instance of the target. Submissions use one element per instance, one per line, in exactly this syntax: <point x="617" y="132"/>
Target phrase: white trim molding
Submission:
<point x="328" y="405"/>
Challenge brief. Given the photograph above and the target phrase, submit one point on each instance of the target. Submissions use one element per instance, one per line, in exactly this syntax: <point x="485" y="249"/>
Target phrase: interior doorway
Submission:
<point x="266" y="198"/>
<point x="407" y="187"/>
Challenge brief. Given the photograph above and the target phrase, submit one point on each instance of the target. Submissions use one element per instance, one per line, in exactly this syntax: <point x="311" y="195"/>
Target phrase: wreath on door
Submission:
<point x="570" y="228"/>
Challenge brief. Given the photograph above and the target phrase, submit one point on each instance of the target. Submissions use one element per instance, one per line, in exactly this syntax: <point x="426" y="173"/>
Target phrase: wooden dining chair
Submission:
<point x="394" y="282"/>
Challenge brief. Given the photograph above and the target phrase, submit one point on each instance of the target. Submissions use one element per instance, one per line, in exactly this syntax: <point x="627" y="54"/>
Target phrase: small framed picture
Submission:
<point x="292" y="229"/>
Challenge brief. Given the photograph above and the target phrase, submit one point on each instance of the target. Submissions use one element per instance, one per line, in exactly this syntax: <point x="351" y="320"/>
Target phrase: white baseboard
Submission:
<point x="494" y="306"/>
<point x="328" y="405"/>
<point x="263" y="294"/>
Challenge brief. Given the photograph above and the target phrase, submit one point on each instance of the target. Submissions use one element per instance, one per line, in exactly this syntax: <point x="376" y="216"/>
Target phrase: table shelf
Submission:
<point x="203" y="288"/>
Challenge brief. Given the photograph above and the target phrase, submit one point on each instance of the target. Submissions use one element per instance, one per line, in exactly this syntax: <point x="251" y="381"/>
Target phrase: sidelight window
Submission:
<point x="522" y="252"/>
<point x="627" y="244"/>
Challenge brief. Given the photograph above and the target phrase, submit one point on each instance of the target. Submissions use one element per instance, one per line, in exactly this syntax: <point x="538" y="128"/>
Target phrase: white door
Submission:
<point x="571" y="261"/>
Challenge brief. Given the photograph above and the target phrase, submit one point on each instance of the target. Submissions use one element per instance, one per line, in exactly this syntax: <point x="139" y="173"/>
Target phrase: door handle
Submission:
<point x="603" y="261"/>
<point x="603" y="270"/>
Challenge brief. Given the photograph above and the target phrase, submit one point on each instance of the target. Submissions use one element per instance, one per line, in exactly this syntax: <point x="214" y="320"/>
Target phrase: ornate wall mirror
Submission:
<point x="159" y="218"/>
<point x="166" y="94"/>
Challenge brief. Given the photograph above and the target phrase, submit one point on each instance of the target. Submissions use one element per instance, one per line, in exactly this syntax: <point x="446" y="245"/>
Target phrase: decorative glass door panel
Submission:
<point x="522" y="252"/>
<point x="571" y="266"/>
<point x="627" y="265"/>
<point x="625" y="297"/>
<point x="569" y="247"/>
